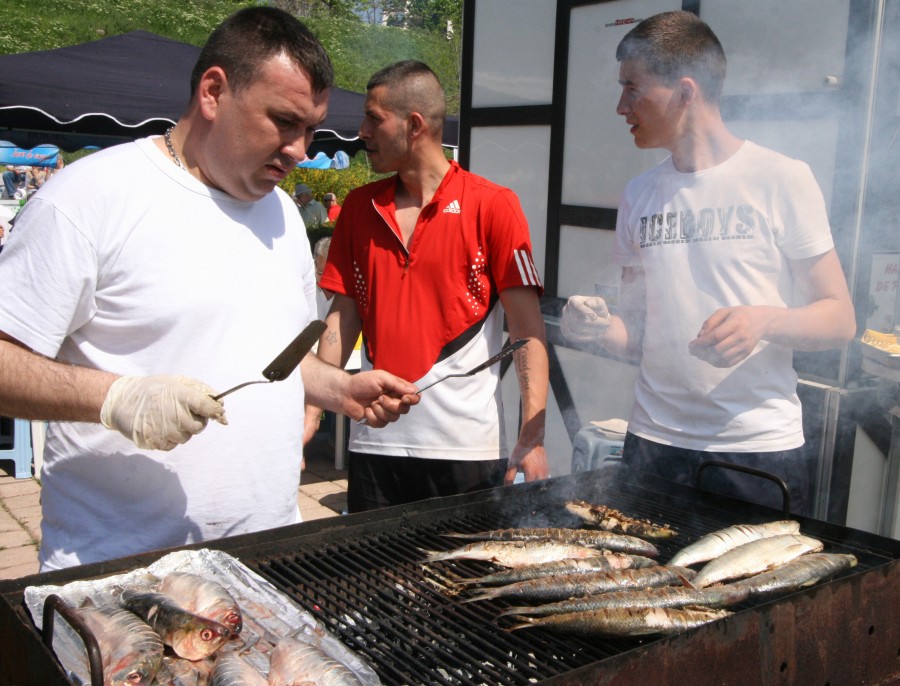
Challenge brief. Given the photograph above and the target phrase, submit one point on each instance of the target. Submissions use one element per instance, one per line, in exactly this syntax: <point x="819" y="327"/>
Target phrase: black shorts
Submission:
<point x="794" y="467"/>
<point x="375" y="481"/>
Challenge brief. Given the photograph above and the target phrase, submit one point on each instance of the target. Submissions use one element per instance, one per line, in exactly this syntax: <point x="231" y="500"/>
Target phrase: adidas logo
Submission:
<point x="452" y="207"/>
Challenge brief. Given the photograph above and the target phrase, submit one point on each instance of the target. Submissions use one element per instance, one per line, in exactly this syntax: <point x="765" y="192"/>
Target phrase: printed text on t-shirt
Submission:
<point x="708" y="224"/>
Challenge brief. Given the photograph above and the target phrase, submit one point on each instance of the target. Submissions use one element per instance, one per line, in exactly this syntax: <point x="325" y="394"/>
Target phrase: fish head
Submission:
<point x="203" y="597"/>
<point x="232" y="619"/>
<point x="133" y="672"/>
<point x="199" y="638"/>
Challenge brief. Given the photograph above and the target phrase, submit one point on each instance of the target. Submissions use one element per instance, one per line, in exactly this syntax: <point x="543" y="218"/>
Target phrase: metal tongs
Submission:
<point x="287" y="360"/>
<point x="507" y="350"/>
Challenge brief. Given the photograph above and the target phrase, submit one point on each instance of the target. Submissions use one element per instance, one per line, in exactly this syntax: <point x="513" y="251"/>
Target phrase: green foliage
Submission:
<point x="357" y="49"/>
<point x="433" y="15"/>
<point x="344" y="9"/>
<point x="337" y="181"/>
<point x="29" y="25"/>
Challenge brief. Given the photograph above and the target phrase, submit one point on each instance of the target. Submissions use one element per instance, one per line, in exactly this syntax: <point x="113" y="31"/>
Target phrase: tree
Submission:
<point x="358" y="49"/>
<point x="345" y="9"/>
<point x="362" y="36"/>
<point x="436" y="16"/>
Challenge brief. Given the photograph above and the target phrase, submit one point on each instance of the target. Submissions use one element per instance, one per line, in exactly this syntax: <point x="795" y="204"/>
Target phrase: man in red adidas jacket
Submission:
<point x="425" y="263"/>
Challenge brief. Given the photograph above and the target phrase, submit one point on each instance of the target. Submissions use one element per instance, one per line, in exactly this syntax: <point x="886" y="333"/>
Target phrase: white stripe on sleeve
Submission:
<point x="527" y="270"/>
<point x="534" y="273"/>
<point x="523" y="274"/>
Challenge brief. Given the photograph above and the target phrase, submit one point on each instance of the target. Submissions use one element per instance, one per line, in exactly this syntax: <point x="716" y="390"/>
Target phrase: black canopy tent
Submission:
<point x="124" y="87"/>
<point x="98" y="93"/>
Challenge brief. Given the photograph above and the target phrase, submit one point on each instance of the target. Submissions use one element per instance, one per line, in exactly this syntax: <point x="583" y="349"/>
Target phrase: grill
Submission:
<point x="362" y="575"/>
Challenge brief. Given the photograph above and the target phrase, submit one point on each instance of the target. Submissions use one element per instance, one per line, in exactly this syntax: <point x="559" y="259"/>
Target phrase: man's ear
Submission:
<point x="416" y="125"/>
<point x="688" y="90"/>
<point x="212" y="84"/>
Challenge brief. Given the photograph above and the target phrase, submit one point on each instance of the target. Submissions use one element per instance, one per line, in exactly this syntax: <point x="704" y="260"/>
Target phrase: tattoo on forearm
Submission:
<point x="522" y="369"/>
<point x="332" y="337"/>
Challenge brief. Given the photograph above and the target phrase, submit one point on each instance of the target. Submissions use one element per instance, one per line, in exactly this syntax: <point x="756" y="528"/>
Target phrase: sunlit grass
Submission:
<point x="28" y="25"/>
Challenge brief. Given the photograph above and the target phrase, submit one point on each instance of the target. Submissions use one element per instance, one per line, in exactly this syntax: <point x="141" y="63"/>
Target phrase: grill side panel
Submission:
<point x="844" y="632"/>
<point x="24" y="660"/>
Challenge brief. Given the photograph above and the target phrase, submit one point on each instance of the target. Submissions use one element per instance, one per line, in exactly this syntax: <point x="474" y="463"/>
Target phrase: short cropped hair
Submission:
<point x="677" y="44"/>
<point x="412" y="87"/>
<point x="249" y="37"/>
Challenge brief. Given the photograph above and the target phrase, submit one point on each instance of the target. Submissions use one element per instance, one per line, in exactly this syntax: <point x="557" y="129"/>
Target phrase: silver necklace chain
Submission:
<point x="168" y="137"/>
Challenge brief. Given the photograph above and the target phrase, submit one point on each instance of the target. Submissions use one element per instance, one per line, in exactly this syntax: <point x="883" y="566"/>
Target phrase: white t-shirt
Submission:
<point x="718" y="238"/>
<point x="463" y="416"/>
<point x="129" y="264"/>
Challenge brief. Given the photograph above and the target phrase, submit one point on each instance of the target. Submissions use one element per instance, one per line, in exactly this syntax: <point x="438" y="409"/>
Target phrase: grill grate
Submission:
<point x="373" y="592"/>
<point x="376" y="597"/>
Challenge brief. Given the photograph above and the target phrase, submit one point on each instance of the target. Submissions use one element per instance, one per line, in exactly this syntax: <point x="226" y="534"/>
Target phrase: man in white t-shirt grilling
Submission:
<point x="186" y="263"/>
<point x="728" y="265"/>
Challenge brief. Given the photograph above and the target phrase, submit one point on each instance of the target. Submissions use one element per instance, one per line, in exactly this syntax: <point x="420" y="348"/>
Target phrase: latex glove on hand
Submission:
<point x="585" y="319"/>
<point x="159" y="412"/>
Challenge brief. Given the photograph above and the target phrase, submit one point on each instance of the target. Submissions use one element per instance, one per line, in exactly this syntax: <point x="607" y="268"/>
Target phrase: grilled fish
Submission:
<point x="625" y="621"/>
<point x="621" y="543"/>
<point x="609" y="519"/>
<point x="756" y="556"/>
<point x="131" y="652"/>
<point x="721" y="541"/>
<point x="513" y="553"/>
<point x="296" y="663"/>
<point x="806" y="570"/>
<point x="665" y="596"/>
<point x="560" y="587"/>
<point x="190" y="636"/>
<point x="232" y="670"/>
<point x="203" y="597"/>
<point x="606" y="561"/>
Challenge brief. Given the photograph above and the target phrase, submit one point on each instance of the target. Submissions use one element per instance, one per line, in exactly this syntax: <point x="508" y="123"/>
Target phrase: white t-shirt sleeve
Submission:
<point x="49" y="277"/>
<point x="802" y="214"/>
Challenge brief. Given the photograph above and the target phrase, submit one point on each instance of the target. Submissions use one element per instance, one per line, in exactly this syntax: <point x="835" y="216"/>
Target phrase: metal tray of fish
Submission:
<point x="269" y="615"/>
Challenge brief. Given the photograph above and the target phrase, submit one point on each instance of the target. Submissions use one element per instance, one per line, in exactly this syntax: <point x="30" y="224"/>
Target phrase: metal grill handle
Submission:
<point x="54" y="602"/>
<point x="785" y="491"/>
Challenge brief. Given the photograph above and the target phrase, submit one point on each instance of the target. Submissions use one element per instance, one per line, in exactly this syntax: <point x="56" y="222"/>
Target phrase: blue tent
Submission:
<point x="41" y="156"/>
<point x="341" y="160"/>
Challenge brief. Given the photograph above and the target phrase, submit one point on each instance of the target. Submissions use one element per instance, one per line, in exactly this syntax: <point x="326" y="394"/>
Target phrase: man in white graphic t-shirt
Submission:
<point x="728" y="265"/>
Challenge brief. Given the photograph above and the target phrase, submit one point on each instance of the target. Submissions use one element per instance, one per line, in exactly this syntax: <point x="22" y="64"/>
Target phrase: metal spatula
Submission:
<point x="507" y="350"/>
<point x="287" y="360"/>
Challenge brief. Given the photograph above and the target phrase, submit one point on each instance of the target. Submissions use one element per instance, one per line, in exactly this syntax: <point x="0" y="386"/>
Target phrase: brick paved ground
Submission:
<point x="322" y="493"/>
<point x="20" y="524"/>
